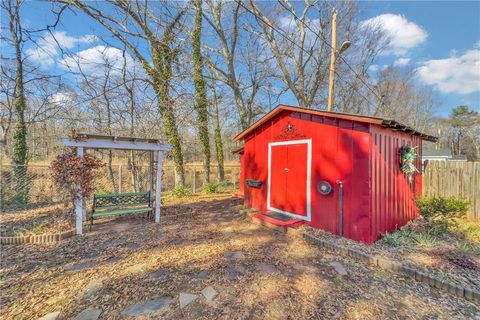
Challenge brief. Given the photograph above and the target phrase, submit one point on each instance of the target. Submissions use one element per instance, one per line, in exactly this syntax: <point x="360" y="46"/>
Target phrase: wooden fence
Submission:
<point x="454" y="178"/>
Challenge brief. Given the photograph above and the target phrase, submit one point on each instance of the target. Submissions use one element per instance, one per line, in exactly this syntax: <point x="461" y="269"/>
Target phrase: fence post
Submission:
<point x="120" y="179"/>
<point x="2" y="185"/>
<point x="174" y="177"/>
<point x="235" y="178"/>
<point x="194" y="179"/>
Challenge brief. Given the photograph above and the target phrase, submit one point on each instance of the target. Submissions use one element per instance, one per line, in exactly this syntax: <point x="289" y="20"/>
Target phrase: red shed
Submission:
<point x="297" y="162"/>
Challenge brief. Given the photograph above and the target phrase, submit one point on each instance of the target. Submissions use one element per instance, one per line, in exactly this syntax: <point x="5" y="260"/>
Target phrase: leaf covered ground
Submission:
<point x="198" y="243"/>
<point x="453" y="255"/>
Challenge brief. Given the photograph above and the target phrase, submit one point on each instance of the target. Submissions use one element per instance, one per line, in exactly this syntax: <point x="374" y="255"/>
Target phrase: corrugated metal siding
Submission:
<point x="392" y="196"/>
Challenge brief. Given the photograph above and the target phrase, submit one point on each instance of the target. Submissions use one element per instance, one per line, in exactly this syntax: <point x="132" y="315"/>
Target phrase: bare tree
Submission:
<point x="228" y="61"/>
<point x="133" y="22"/>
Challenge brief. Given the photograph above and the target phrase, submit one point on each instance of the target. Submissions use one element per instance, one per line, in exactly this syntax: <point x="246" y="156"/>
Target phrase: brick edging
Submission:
<point x="40" y="238"/>
<point x="391" y="265"/>
<point x="381" y="262"/>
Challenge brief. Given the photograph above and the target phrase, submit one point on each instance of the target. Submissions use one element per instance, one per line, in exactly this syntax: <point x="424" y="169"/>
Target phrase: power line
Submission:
<point x="285" y="36"/>
<point x="322" y="38"/>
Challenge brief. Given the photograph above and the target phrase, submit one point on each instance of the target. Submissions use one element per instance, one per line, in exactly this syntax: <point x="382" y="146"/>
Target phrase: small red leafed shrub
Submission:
<point x="75" y="176"/>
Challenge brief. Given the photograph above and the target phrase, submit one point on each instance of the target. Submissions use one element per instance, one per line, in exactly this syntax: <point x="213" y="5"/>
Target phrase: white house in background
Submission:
<point x="441" y="155"/>
<point x="437" y="155"/>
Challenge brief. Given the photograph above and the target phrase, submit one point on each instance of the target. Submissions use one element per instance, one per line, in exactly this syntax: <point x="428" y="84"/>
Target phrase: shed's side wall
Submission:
<point x="340" y="151"/>
<point x="392" y="195"/>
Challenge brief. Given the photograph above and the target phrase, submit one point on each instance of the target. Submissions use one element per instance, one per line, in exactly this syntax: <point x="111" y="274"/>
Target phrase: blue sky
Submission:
<point x="452" y="33"/>
<point x="441" y="40"/>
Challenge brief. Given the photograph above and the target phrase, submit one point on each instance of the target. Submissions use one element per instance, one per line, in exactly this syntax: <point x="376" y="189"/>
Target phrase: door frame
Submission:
<point x="308" y="142"/>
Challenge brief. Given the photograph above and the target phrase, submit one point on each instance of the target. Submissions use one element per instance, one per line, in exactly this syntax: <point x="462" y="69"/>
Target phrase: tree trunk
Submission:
<point x="201" y="92"/>
<point x="162" y="74"/>
<point x="218" y="137"/>
<point x="20" y="149"/>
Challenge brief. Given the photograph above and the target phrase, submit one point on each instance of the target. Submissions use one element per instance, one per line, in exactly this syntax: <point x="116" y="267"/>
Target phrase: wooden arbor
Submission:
<point x="97" y="141"/>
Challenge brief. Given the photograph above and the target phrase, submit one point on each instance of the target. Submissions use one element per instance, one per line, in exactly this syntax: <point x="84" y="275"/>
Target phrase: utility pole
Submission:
<point x="332" y="61"/>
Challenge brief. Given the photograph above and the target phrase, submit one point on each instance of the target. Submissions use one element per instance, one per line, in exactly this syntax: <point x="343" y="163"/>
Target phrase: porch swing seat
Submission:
<point x="120" y="204"/>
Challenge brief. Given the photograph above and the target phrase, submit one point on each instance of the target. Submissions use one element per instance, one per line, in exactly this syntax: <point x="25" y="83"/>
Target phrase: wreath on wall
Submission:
<point x="408" y="154"/>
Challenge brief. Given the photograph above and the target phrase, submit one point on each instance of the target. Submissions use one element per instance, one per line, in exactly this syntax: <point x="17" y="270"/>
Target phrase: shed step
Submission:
<point x="278" y="219"/>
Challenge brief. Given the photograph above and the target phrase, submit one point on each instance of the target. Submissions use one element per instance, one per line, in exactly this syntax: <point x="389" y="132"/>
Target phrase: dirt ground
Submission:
<point x="257" y="273"/>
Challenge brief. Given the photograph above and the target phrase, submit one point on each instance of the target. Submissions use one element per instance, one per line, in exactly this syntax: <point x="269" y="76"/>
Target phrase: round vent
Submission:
<point x="324" y="188"/>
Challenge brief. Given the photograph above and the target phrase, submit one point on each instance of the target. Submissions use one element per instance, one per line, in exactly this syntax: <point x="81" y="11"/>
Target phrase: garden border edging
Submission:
<point x="381" y="262"/>
<point x="39" y="238"/>
<point x="391" y="265"/>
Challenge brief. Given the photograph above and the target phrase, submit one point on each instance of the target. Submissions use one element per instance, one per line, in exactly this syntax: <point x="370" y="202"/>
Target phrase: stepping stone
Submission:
<point x="234" y="255"/>
<point x="265" y="268"/>
<point x="209" y="293"/>
<point x="339" y="268"/>
<point x="136" y="268"/>
<point x="113" y="260"/>
<point x="186" y="299"/>
<point x="92" y="288"/>
<point x="202" y="275"/>
<point x="227" y="230"/>
<point x="89" y="314"/>
<point x="159" y="274"/>
<point x="133" y="246"/>
<point x="80" y="266"/>
<point x="92" y="254"/>
<point x="235" y="272"/>
<point x="147" y="307"/>
<point x="51" y="316"/>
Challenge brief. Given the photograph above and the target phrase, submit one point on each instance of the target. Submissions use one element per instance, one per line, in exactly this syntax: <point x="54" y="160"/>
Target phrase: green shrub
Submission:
<point x="210" y="188"/>
<point x="180" y="192"/>
<point x="442" y="207"/>
<point x="399" y="239"/>
<point x="425" y="240"/>
<point x="440" y="212"/>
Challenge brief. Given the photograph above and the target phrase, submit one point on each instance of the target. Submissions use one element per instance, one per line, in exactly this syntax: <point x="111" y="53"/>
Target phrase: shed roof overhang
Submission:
<point x="99" y="141"/>
<point x="387" y="123"/>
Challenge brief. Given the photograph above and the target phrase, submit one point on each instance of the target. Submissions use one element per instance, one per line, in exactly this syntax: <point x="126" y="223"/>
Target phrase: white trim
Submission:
<point x="158" y="188"/>
<point x="308" y="142"/>
<point x="110" y="144"/>
<point x="79" y="204"/>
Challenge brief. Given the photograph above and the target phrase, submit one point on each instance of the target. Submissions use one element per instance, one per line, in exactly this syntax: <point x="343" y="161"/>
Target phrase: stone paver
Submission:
<point x="202" y="275"/>
<point x="209" y="293"/>
<point x="265" y="268"/>
<point x="235" y="272"/>
<point x="186" y="299"/>
<point x="147" y="307"/>
<point x="234" y="255"/>
<point x="178" y="241"/>
<point x="51" y="316"/>
<point x="92" y="288"/>
<point x="136" y="268"/>
<point x="89" y="314"/>
<point x="81" y="266"/>
<point x="339" y="268"/>
<point x="158" y="274"/>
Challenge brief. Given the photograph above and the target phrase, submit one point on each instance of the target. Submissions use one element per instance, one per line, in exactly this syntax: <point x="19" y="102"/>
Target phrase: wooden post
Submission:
<point x="158" y="187"/>
<point x="332" y="61"/>
<point x="194" y="182"/>
<point x="152" y="158"/>
<point x="120" y="179"/>
<point x="79" y="204"/>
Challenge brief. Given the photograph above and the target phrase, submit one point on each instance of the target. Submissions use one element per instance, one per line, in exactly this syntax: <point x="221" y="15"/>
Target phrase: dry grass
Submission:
<point x="36" y="280"/>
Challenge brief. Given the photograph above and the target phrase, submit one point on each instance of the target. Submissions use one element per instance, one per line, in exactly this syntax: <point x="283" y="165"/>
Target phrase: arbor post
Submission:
<point x="79" y="204"/>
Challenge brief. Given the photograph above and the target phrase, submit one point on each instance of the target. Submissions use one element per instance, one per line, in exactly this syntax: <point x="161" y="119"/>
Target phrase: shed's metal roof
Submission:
<point x="387" y="123"/>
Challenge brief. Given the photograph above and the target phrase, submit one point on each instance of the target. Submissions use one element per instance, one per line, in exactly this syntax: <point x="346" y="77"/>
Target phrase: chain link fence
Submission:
<point x="32" y="187"/>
